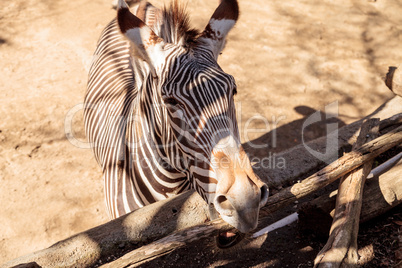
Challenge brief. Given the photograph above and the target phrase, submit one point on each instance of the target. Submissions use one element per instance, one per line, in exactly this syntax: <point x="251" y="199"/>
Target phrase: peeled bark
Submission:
<point x="333" y="171"/>
<point x="169" y="244"/>
<point x="382" y="192"/>
<point x="341" y="247"/>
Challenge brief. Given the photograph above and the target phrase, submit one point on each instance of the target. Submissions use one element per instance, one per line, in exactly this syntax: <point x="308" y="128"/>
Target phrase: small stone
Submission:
<point x="306" y="249"/>
<point x="398" y="254"/>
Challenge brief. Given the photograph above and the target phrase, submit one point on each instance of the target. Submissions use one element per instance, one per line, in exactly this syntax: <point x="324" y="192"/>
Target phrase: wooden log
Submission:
<point x="393" y="121"/>
<point x="301" y="167"/>
<point x="169" y="244"/>
<point x="317" y="181"/>
<point x="335" y="170"/>
<point x="393" y="80"/>
<point x="188" y="209"/>
<point x="130" y="231"/>
<point x="341" y="247"/>
<point x="382" y="192"/>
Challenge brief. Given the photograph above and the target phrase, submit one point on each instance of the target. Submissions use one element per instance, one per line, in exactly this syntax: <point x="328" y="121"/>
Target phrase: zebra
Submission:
<point x="160" y="114"/>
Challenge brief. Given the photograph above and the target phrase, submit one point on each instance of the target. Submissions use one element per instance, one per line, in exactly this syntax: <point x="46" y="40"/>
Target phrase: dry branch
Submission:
<point x="132" y="230"/>
<point x="169" y="244"/>
<point x="333" y="171"/>
<point x="315" y="182"/>
<point x="303" y="163"/>
<point x="159" y="219"/>
<point x="382" y="192"/>
<point x="391" y="122"/>
<point x="341" y="247"/>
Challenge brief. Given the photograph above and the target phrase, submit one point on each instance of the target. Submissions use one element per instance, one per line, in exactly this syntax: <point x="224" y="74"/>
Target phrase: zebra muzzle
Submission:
<point x="228" y="239"/>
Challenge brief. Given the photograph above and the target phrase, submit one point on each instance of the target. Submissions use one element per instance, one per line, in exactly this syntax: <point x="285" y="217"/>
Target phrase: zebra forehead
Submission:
<point x="194" y="73"/>
<point x="215" y="81"/>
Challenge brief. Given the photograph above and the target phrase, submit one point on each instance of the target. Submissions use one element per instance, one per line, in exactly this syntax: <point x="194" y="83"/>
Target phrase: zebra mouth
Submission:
<point x="225" y="239"/>
<point x="228" y="239"/>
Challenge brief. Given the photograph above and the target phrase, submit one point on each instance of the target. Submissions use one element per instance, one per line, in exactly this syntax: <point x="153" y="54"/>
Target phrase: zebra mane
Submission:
<point x="174" y="25"/>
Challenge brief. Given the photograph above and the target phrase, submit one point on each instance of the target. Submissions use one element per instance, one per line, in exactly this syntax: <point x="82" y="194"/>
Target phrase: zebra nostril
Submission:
<point x="223" y="206"/>
<point x="264" y="195"/>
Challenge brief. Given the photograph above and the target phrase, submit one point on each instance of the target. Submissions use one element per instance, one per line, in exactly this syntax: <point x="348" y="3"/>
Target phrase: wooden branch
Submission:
<point x="169" y="244"/>
<point x="127" y="232"/>
<point x="391" y="122"/>
<point x="188" y="209"/>
<point x="317" y="181"/>
<point x="300" y="167"/>
<point x="393" y="80"/>
<point x="339" y="168"/>
<point x="341" y="247"/>
<point x="382" y="192"/>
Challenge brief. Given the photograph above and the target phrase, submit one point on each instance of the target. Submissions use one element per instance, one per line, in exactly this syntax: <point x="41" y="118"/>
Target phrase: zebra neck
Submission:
<point x="150" y="140"/>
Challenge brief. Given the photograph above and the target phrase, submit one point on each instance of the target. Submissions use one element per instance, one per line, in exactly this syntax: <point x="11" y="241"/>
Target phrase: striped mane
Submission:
<point x="172" y="24"/>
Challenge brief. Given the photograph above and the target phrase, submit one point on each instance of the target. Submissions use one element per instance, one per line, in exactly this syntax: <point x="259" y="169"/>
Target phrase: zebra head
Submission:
<point x="193" y="107"/>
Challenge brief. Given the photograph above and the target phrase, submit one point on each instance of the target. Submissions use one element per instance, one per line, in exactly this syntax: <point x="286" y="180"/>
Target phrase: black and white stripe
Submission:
<point x="148" y="147"/>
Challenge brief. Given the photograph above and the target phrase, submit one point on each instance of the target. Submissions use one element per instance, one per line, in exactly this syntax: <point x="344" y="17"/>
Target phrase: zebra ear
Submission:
<point x="221" y="22"/>
<point x="148" y="45"/>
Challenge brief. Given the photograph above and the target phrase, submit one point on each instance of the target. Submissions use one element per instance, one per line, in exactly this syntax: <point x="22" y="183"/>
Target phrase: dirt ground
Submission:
<point x="289" y="58"/>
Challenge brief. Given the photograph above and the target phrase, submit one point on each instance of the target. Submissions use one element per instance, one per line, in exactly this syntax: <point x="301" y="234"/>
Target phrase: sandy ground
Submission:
<point x="289" y="59"/>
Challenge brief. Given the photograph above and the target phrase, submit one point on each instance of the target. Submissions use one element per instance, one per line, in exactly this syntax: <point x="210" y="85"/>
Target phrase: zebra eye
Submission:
<point x="171" y="101"/>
